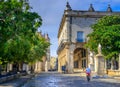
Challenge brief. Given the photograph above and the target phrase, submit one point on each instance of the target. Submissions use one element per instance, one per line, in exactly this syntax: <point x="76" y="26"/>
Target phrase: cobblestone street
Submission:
<point x="54" y="79"/>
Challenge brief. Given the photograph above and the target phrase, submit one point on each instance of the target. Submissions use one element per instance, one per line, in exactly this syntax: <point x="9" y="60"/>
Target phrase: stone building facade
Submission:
<point x="72" y="35"/>
<point x="45" y="64"/>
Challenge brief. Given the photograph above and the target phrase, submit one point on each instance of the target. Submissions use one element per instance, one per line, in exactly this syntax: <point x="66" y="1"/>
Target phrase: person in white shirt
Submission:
<point x="88" y="72"/>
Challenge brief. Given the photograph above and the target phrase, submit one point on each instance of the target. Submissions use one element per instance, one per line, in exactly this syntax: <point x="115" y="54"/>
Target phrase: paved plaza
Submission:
<point x="54" y="79"/>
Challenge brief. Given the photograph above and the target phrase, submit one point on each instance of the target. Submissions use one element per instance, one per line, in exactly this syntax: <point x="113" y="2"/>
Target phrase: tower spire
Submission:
<point x="109" y="9"/>
<point x="91" y="9"/>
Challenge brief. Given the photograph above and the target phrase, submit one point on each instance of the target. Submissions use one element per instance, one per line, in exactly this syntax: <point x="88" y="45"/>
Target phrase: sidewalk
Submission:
<point x="17" y="82"/>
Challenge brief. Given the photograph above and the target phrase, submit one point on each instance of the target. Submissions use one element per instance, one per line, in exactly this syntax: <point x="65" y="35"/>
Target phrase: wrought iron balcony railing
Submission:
<point x="80" y="40"/>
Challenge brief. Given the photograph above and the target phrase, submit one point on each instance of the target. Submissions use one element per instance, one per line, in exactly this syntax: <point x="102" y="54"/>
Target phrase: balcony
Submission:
<point x="80" y="40"/>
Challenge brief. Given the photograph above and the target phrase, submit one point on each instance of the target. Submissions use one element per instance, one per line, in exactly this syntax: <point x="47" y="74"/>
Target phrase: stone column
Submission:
<point x="28" y="68"/>
<point x="105" y="66"/>
<point x="67" y="59"/>
<point x="112" y="65"/>
<point x="119" y="61"/>
<point x="40" y="66"/>
<point x="99" y="62"/>
<point x="71" y="70"/>
<point x="9" y="67"/>
<point x="69" y="56"/>
<point x="46" y="66"/>
<point x="70" y="59"/>
<point x="0" y="69"/>
<point x="36" y="67"/>
<point x="99" y="65"/>
<point x="59" y="66"/>
<point x="24" y="67"/>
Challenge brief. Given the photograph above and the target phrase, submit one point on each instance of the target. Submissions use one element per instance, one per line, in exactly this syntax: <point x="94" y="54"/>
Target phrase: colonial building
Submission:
<point x="72" y="35"/>
<point x="45" y="64"/>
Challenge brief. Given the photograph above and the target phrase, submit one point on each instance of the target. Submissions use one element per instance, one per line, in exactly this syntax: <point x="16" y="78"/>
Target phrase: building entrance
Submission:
<point x="80" y="59"/>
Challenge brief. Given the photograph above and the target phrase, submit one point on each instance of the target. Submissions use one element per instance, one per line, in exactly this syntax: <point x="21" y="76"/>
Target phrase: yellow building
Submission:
<point x="72" y="35"/>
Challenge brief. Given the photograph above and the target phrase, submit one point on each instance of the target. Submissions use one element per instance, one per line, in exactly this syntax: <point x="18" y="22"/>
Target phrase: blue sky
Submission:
<point x="51" y="12"/>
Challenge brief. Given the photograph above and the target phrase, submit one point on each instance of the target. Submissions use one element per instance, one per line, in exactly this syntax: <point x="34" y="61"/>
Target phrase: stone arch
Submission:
<point x="80" y="58"/>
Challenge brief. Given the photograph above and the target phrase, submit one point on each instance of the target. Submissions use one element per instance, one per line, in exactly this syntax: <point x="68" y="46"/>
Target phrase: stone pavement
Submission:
<point x="54" y="79"/>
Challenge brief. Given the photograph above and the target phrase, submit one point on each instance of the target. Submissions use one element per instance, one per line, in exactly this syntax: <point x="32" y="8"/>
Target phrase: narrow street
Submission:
<point x="54" y="79"/>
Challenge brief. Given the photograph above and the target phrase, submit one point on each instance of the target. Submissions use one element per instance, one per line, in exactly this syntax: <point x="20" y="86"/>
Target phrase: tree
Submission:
<point x="18" y="27"/>
<point x="106" y="32"/>
<point x="38" y="48"/>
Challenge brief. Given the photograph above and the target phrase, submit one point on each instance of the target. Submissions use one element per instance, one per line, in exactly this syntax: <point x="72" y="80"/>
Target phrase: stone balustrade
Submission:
<point x="113" y="72"/>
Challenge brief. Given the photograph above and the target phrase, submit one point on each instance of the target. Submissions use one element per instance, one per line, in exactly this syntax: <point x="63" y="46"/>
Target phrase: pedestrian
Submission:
<point x="88" y="73"/>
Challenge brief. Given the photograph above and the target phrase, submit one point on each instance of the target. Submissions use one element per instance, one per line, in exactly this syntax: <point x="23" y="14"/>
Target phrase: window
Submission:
<point x="75" y="64"/>
<point x="84" y="63"/>
<point x="80" y="36"/>
<point x="83" y="53"/>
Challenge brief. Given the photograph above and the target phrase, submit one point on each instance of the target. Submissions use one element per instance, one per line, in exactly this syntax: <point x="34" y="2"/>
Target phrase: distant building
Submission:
<point x="53" y="63"/>
<point x="72" y="35"/>
<point x="45" y="64"/>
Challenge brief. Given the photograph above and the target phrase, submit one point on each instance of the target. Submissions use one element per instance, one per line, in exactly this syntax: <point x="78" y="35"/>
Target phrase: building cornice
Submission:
<point x="61" y="25"/>
<point x="82" y="13"/>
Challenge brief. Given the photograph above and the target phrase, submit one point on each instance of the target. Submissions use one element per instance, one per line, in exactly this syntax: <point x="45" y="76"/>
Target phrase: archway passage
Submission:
<point x="80" y="59"/>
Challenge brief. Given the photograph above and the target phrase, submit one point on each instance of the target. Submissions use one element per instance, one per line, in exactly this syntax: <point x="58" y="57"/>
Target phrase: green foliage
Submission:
<point x="18" y="39"/>
<point x="39" y="48"/>
<point x="106" y="32"/>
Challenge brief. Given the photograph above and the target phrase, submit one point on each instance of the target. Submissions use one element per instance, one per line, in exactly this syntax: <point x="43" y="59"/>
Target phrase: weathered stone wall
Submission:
<point x="72" y="22"/>
<point x="81" y="24"/>
<point x="63" y="35"/>
<point x="62" y="59"/>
